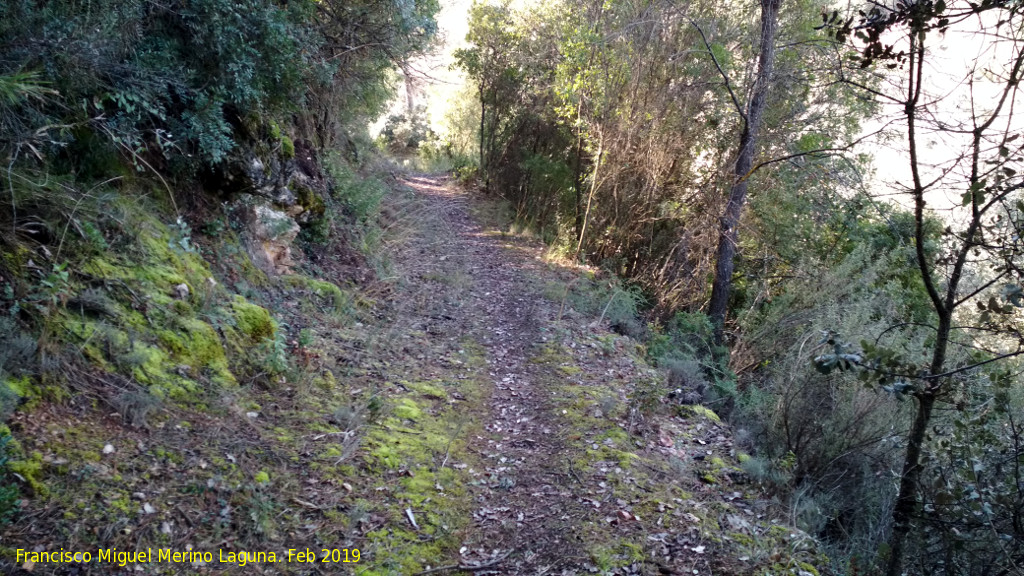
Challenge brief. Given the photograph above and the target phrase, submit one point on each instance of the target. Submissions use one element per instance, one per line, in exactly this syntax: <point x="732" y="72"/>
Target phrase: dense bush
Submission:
<point x="167" y="79"/>
<point x="404" y="132"/>
<point x="844" y="439"/>
<point x="615" y="150"/>
<point x="170" y="85"/>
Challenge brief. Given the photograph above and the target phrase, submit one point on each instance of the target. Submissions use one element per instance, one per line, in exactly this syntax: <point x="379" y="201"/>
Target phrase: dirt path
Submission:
<point x="523" y="510"/>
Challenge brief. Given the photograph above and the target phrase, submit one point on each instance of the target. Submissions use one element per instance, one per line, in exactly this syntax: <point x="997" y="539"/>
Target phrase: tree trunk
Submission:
<point x="728" y="232"/>
<point x="906" y="502"/>
<point x="578" y="183"/>
<point x="910" y="480"/>
<point x="410" y="99"/>
<point x="590" y="197"/>
<point x="483" y="115"/>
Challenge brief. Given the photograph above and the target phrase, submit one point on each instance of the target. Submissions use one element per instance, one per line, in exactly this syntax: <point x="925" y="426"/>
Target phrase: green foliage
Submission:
<point x="17" y="362"/>
<point x="275" y="353"/>
<point x="972" y="487"/>
<point x="404" y="132"/>
<point x="359" y="197"/>
<point x="173" y="84"/>
<point x="20" y="86"/>
<point x="612" y="151"/>
<point x="686" y="334"/>
<point x="287" y="148"/>
<point x="8" y="490"/>
<point x="52" y="289"/>
<point x="182" y="240"/>
<point x="168" y="89"/>
<point x="840" y="433"/>
<point x="607" y="299"/>
<point x="684" y="346"/>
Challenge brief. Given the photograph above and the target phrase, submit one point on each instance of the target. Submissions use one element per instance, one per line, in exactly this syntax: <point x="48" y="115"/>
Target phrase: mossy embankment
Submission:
<point x="160" y="390"/>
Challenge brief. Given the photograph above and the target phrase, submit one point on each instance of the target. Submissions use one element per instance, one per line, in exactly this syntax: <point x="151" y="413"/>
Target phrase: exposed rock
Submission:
<point x="277" y="192"/>
<point x="181" y="291"/>
<point x="256" y="174"/>
<point x="284" y="197"/>
<point x="251" y="171"/>
<point x="268" y="235"/>
<point x="307" y="161"/>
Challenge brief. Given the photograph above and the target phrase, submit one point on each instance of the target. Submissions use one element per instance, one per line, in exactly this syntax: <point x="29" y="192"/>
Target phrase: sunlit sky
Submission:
<point x="435" y="83"/>
<point x="950" y="63"/>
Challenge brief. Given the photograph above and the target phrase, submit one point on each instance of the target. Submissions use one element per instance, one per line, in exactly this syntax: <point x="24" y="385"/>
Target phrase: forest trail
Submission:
<point x="557" y="452"/>
<point x="524" y="516"/>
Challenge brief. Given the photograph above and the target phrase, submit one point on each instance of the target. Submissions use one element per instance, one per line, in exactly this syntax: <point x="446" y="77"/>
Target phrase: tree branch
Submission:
<point x="808" y="153"/>
<point x="725" y="77"/>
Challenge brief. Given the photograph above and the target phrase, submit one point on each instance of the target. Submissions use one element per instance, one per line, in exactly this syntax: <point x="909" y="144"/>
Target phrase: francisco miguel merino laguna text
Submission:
<point x="122" y="559"/>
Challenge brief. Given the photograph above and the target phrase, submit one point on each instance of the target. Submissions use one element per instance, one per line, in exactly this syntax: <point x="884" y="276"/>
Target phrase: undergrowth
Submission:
<point x="8" y="490"/>
<point x="113" y="302"/>
<point x="681" y="347"/>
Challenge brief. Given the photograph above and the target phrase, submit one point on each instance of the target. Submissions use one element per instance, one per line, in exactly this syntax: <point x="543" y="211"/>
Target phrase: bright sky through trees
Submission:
<point x="966" y="61"/>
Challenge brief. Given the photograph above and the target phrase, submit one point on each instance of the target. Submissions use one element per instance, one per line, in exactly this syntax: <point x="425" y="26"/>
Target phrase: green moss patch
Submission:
<point x="252" y="320"/>
<point x="418" y="455"/>
<point x="338" y="298"/>
<point x="700" y="412"/>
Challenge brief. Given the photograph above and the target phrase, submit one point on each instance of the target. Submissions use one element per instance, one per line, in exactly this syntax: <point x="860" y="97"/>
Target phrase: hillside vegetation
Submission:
<point x="650" y="302"/>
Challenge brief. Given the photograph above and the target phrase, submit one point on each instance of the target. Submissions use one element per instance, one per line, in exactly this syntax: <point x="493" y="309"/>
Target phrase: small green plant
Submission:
<point x="9" y="400"/>
<point x="348" y="417"/>
<point x="259" y="511"/>
<point x="646" y="396"/>
<point x="607" y="299"/>
<point x="215" y="227"/>
<point x="17" y="353"/>
<point x="351" y="419"/>
<point x="466" y="173"/>
<point x="181" y="242"/>
<point x="276" y="353"/>
<point x="54" y="289"/>
<point x="609" y="405"/>
<point x="684" y="347"/>
<point x="766" y="472"/>
<point x="14" y="305"/>
<point x="135" y="407"/>
<point x="93" y="236"/>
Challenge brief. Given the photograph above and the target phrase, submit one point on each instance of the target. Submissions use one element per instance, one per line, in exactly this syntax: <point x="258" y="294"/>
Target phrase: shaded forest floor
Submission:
<point x="465" y="418"/>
